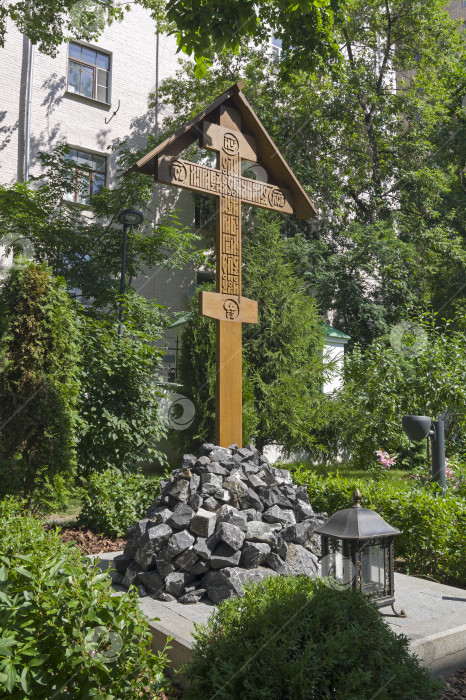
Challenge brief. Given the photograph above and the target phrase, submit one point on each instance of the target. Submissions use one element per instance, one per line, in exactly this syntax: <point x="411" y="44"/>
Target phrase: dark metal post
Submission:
<point x="438" y="453"/>
<point x="122" y="281"/>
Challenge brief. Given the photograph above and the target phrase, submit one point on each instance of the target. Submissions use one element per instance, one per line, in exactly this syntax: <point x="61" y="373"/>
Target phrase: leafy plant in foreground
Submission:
<point x="297" y="638"/>
<point x="63" y="634"/>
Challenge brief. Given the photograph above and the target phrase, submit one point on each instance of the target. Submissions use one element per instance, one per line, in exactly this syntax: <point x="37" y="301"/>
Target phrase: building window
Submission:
<point x="90" y="176"/>
<point x="88" y="72"/>
<point x="276" y="45"/>
<point x="76" y="294"/>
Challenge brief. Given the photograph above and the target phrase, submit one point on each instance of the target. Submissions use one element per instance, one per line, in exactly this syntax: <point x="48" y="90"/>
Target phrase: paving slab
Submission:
<point x="435" y="624"/>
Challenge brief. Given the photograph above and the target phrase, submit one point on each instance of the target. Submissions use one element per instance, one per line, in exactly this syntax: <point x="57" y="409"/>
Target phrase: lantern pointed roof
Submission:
<point x="356" y="523"/>
<point x="270" y="158"/>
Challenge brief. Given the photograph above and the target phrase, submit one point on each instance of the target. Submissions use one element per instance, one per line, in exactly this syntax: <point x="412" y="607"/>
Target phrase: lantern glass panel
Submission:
<point x="337" y="564"/>
<point x="373" y="569"/>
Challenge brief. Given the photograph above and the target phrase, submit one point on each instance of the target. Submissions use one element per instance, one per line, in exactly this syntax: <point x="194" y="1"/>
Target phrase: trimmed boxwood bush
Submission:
<point x="297" y="638"/>
<point x="113" y="500"/>
<point x="433" y="527"/>
<point x="62" y="632"/>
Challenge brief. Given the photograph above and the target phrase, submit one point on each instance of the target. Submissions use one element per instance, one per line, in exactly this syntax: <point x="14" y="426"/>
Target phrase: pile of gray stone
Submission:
<point x="225" y="518"/>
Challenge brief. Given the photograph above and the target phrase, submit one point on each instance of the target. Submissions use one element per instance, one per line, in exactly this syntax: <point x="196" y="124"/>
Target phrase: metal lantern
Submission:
<point x="357" y="551"/>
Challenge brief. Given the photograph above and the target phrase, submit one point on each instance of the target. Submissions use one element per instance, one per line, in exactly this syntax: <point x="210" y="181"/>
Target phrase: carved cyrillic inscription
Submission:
<point x="230" y="144"/>
<point x="231" y="308"/>
<point x="224" y="307"/>
<point x="229" y="215"/>
<point x="178" y="171"/>
<point x="194" y="176"/>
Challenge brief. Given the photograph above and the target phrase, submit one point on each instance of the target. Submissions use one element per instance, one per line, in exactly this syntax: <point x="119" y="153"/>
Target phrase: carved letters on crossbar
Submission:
<point x="194" y="176"/>
<point x="226" y="307"/>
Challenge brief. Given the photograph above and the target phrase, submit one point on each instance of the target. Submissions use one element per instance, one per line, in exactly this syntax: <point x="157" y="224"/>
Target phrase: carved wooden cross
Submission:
<point x="226" y="305"/>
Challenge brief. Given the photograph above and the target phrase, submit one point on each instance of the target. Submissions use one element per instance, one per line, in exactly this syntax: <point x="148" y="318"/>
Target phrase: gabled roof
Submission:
<point x="269" y="156"/>
<point x="331" y="332"/>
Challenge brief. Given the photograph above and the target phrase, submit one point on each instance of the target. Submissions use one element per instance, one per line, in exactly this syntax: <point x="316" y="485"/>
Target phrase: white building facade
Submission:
<point x="87" y="96"/>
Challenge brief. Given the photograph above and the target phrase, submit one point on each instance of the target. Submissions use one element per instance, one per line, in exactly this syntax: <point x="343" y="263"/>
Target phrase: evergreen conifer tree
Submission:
<point x="38" y="385"/>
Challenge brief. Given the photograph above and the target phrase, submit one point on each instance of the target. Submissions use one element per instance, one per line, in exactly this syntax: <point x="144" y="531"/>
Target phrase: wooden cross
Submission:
<point x="226" y="305"/>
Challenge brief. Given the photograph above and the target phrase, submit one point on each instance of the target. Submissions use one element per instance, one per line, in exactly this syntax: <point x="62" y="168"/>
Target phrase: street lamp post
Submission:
<point x="129" y="218"/>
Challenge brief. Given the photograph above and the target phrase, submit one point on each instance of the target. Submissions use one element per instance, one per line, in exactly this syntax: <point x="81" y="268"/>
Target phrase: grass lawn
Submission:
<point x="346" y="470"/>
<point x="70" y="512"/>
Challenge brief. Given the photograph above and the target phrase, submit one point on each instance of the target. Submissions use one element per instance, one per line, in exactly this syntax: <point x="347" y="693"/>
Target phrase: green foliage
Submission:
<point x="305" y="29"/>
<point x="119" y="403"/>
<point x="432" y="539"/>
<point x="120" y="423"/>
<point x="284" y="350"/>
<point x="38" y="386"/>
<point x="48" y="23"/>
<point x="282" y="353"/>
<point x="295" y="637"/>
<point x="83" y="244"/>
<point x="197" y="370"/>
<point x="112" y="501"/>
<point x="383" y="166"/>
<point x="62" y="632"/>
<point x="386" y="380"/>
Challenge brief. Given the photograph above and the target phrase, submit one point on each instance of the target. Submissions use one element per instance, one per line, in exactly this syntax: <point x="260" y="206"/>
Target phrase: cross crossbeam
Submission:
<point x="202" y="178"/>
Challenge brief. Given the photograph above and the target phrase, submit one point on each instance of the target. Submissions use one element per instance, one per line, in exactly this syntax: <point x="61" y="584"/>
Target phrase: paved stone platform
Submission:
<point x="435" y="622"/>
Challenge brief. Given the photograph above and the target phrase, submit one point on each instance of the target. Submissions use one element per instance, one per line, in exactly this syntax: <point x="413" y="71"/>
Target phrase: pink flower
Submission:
<point x="385" y="459"/>
<point x="450" y="474"/>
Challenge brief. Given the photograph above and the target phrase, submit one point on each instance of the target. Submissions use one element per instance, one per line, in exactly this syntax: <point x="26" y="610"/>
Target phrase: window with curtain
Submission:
<point x="90" y="176"/>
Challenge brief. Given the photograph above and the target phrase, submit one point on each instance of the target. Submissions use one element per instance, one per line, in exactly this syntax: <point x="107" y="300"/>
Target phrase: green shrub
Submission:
<point x="121" y="421"/>
<point x="297" y="638"/>
<point x="423" y="372"/>
<point x="432" y="540"/>
<point x="112" y="500"/>
<point x="62" y="632"/>
<point x="38" y="387"/>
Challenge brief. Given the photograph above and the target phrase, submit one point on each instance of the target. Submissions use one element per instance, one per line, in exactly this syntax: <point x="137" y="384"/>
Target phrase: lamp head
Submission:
<point x="130" y="217"/>
<point x="417" y="428"/>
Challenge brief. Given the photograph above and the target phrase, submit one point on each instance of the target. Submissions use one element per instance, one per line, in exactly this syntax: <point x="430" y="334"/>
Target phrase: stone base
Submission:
<point x="224" y="518"/>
